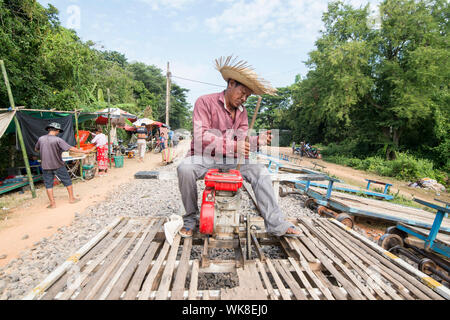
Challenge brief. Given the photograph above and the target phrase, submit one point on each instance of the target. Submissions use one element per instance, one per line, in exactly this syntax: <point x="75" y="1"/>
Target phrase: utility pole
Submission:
<point x="167" y="94"/>
<point x="109" y="127"/>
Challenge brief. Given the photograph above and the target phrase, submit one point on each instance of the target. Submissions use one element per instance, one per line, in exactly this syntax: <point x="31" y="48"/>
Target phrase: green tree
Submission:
<point x="386" y="88"/>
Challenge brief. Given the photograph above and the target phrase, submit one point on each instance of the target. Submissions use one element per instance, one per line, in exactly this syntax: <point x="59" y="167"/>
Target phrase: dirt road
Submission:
<point x="28" y="220"/>
<point x="357" y="178"/>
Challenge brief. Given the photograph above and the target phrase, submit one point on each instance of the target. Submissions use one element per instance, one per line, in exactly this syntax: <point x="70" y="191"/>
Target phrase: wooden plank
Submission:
<point x="85" y="273"/>
<point x="205" y="253"/>
<point x="182" y="270"/>
<point x="400" y="275"/>
<point x="298" y="246"/>
<point x="138" y="277"/>
<point x="283" y="292"/>
<point x="326" y="263"/>
<point x="58" y="286"/>
<point x="355" y="261"/>
<point x="293" y="285"/>
<point x="194" y="281"/>
<point x="348" y="286"/>
<point x="119" y="281"/>
<point x="259" y="250"/>
<point x="90" y="280"/>
<point x="410" y="282"/>
<point x="106" y="273"/>
<point x="147" y="286"/>
<point x="250" y="286"/>
<point x="266" y="280"/>
<point x="305" y="281"/>
<point x="248" y="278"/>
<point x="335" y="290"/>
<point x="166" y="278"/>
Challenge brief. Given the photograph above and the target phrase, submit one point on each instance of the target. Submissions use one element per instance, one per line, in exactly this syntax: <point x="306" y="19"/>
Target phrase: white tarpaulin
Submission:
<point x="5" y="119"/>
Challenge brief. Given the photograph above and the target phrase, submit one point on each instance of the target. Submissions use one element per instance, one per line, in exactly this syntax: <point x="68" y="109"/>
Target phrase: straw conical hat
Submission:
<point x="232" y="68"/>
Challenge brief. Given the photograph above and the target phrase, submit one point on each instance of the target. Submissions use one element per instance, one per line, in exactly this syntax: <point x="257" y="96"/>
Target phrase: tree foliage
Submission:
<point x="386" y="88"/>
<point x="49" y="67"/>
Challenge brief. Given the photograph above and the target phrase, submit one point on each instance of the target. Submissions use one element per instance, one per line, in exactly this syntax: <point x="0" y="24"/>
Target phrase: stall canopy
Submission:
<point x="5" y="120"/>
<point x="145" y="121"/>
<point x="82" y="117"/>
<point x="117" y="116"/>
<point x="158" y="124"/>
<point x="33" y="128"/>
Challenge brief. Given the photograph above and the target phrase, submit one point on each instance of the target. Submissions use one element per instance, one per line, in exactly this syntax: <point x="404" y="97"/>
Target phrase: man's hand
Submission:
<point x="243" y="148"/>
<point x="265" y="138"/>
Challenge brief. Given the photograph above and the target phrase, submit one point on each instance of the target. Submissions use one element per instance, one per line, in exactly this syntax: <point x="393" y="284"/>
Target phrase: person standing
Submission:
<point x="51" y="147"/>
<point x="141" y="141"/>
<point x="101" y="143"/>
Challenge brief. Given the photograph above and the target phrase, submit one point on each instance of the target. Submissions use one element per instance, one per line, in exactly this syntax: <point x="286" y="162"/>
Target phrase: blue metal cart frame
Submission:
<point x="430" y="240"/>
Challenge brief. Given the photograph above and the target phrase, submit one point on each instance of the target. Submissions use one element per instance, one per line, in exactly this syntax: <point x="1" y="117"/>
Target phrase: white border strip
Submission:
<point x="430" y="282"/>
<point x="58" y="272"/>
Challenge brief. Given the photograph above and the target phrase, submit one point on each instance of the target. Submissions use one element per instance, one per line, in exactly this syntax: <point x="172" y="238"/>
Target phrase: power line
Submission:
<point x="211" y="84"/>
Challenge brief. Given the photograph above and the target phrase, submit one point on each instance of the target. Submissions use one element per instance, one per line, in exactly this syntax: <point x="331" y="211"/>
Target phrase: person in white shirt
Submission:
<point x="101" y="142"/>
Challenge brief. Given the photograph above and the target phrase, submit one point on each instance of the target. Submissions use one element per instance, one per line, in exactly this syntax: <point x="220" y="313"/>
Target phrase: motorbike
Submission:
<point x="310" y="152"/>
<point x="128" y="150"/>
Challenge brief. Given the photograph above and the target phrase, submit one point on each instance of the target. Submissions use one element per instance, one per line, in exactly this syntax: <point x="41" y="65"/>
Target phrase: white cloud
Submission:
<point x="170" y="4"/>
<point x="189" y="24"/>
<point x="272" y="23"/>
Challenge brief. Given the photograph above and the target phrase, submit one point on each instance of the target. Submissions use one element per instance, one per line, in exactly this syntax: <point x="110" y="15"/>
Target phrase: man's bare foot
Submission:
<point x="292" y="232"/>
<point x="74" y="200"/>
<point x="186" y="232"/>
<point x="51" y="206"/>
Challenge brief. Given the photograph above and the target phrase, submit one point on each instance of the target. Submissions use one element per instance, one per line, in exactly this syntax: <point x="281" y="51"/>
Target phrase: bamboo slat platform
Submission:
<point x="377" y="209"/>
<point x="131" y="260"/>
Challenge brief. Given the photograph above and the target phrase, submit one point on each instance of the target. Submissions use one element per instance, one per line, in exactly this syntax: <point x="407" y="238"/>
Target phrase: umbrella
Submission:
<point x="139" y="122"/>
<point x="129" y="128"/>
<point x="117" y="116"/>
<point x="156" y="123"/>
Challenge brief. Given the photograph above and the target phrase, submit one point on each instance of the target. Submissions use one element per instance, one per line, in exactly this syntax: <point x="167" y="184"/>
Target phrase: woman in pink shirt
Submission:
<point x="101" y="142"/>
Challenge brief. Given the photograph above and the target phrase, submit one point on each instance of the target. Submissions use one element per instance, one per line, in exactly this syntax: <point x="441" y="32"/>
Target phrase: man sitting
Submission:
<point x="220" y="127"/>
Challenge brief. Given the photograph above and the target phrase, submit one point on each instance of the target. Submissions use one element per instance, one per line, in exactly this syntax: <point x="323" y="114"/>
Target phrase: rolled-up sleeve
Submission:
<point x="63" y="145"/>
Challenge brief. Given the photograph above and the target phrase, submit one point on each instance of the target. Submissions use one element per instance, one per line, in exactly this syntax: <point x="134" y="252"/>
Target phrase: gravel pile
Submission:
<point x="139" y="198"/>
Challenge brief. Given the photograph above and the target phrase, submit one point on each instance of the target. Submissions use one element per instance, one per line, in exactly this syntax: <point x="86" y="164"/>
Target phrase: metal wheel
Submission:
<point x="388" y="241"/>
<point x="425" y="264"/>
<point x="394" y="230"/>
<point x="310" y="203"/>
<point x="345" y="219"/>
<point x="282" y="191"/>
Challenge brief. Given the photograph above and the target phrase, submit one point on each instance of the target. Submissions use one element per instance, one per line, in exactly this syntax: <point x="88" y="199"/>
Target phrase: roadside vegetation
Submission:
<point x="376" y="96"/>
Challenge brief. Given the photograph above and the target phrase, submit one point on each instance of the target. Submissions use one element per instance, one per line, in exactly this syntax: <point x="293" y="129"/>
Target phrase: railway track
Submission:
<point x="131" y="260"/>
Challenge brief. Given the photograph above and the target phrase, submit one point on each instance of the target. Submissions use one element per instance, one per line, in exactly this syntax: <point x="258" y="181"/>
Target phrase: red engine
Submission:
<point x="215" y="180"/>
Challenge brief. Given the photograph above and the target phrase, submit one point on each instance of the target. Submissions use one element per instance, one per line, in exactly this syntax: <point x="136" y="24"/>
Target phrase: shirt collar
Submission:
<point x="222" y="99"/>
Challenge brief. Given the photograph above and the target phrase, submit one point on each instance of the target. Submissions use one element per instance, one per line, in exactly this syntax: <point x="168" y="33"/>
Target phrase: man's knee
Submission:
<point x="255" y="171"/>
<point x="185" y="170"/>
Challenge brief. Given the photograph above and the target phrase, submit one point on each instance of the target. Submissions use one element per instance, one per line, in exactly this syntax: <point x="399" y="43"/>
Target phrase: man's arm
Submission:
<point x="73" y="149"/>
<point x="67" y="147"/>
<point x="210" y="139"/>
<point x="37" y="146"/>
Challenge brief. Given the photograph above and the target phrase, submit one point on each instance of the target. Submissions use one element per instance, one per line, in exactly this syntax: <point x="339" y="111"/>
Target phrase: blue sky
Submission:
<point x="274" y="36"/>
